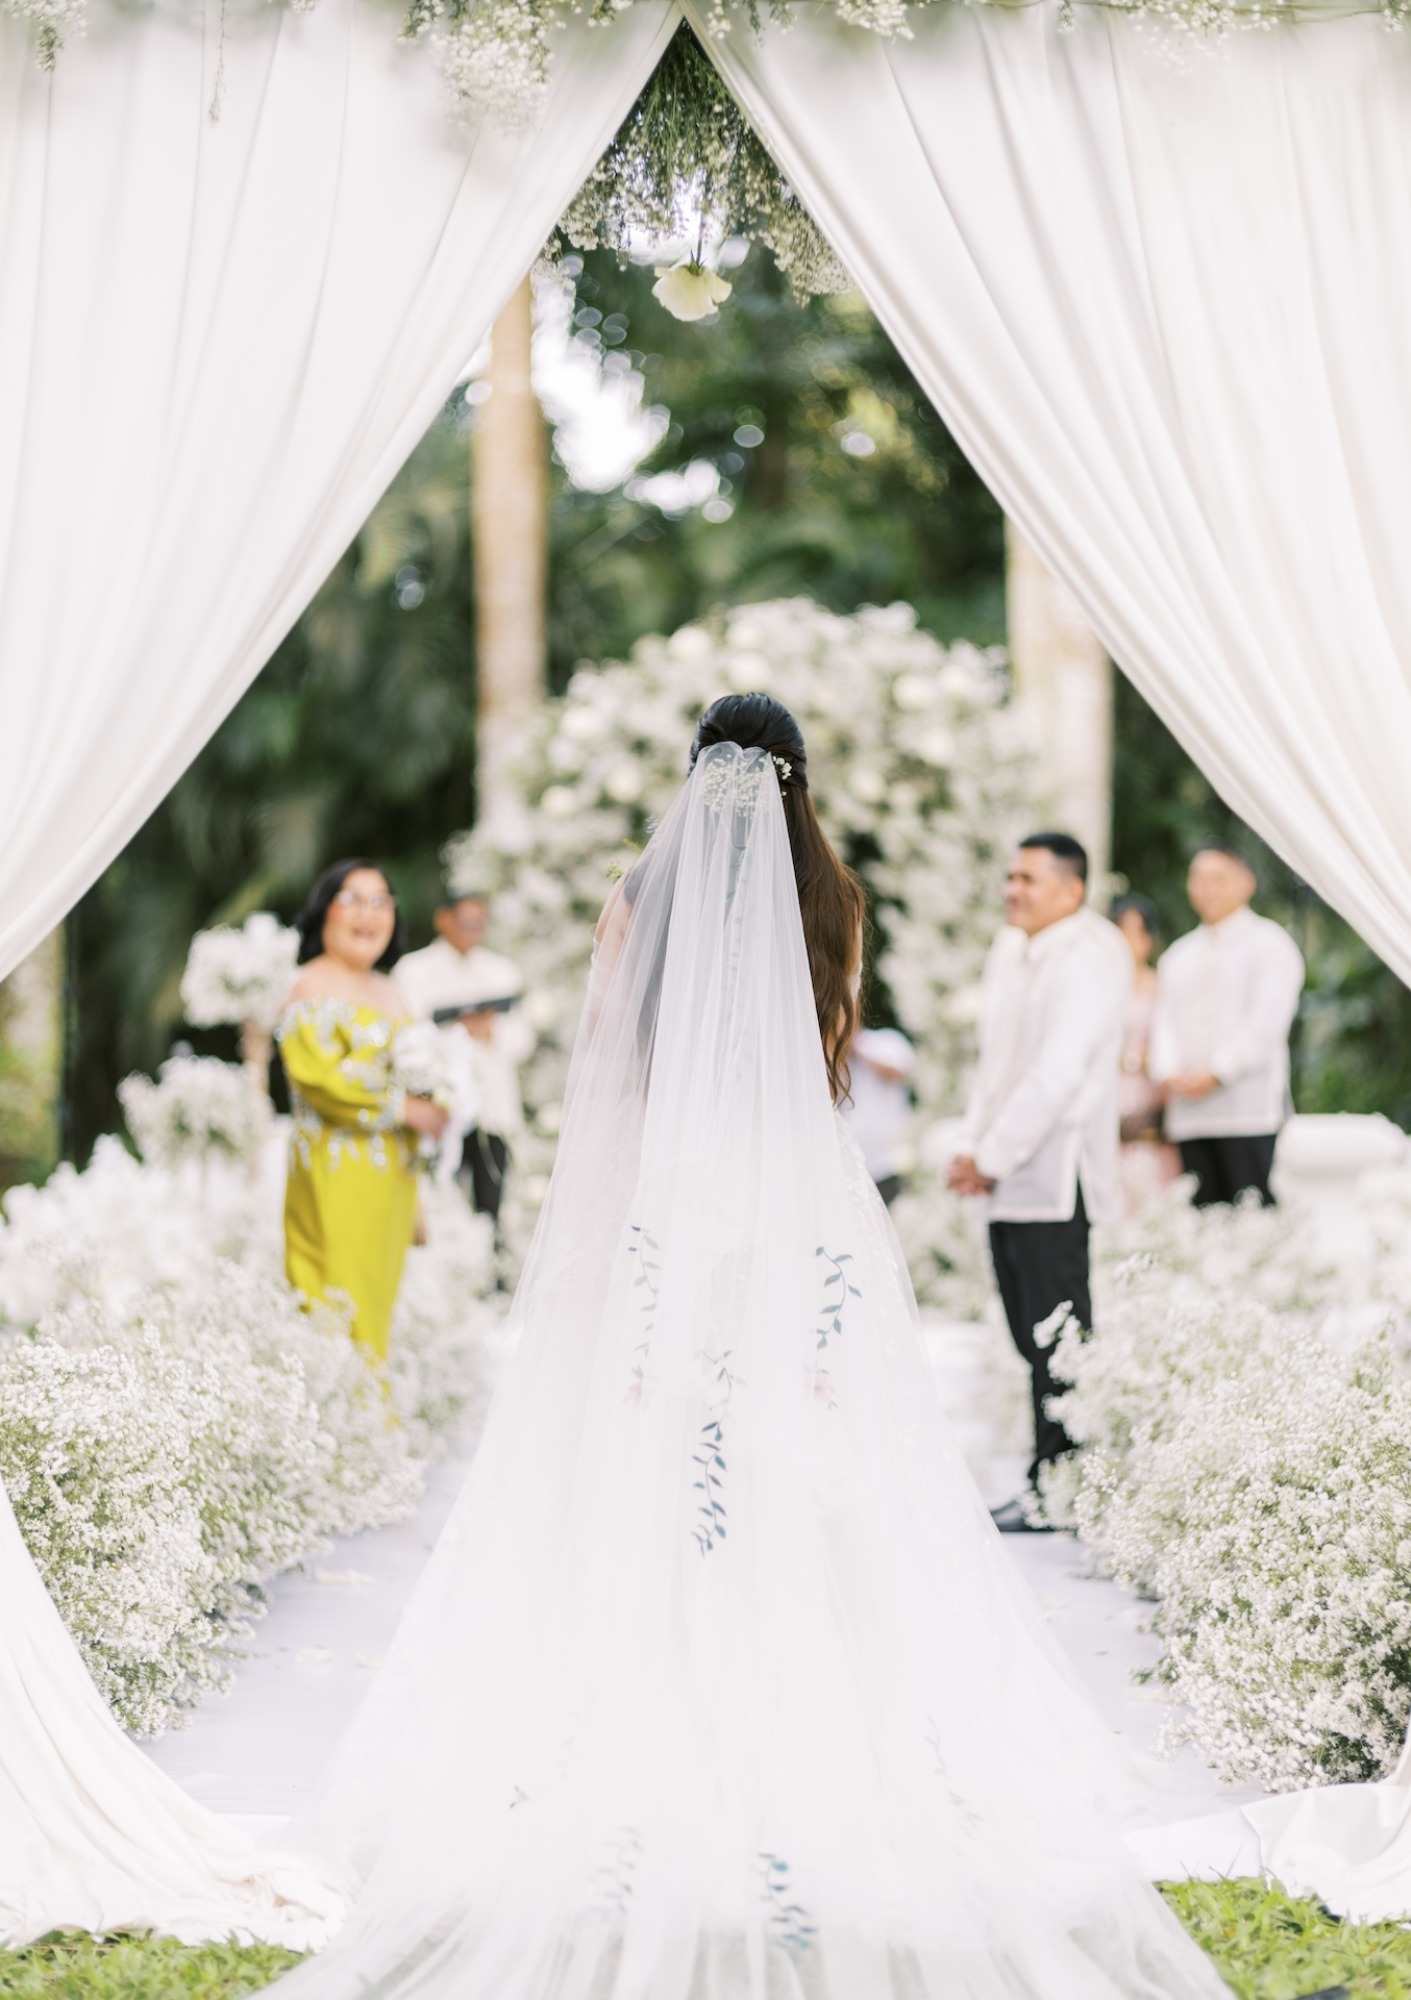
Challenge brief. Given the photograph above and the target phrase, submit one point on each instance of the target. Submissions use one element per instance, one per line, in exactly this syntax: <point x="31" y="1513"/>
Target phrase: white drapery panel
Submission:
<point x="218" y="343"/>
<point x="1165" y="306"/>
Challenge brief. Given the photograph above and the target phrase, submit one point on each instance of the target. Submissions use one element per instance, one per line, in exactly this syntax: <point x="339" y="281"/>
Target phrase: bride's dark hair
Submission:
<point x="831" y="899"/>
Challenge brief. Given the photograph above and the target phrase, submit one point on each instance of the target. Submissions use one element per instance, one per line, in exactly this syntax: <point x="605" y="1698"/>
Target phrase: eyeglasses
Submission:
<point x="348" y="899"/>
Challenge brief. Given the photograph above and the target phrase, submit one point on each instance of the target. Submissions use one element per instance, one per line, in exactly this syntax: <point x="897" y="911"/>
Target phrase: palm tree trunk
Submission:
<point x="509" y="502"/>
<point x="1065" y="678"/>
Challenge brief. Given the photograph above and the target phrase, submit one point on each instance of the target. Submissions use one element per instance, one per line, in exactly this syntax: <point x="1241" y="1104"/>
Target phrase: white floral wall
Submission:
<point x="919" y="768"/>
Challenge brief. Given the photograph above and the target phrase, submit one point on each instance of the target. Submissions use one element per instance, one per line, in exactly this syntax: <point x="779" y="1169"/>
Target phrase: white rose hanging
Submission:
<point x="688" y="290"/>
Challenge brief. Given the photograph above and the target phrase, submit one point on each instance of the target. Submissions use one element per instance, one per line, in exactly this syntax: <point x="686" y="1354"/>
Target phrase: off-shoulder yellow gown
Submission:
<point x="350" y="1201"/>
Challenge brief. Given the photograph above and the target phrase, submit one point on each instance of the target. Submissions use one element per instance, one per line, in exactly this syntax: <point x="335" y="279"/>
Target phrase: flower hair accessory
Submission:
<point x="725" y="779"/>
<point x="785" y="770"/>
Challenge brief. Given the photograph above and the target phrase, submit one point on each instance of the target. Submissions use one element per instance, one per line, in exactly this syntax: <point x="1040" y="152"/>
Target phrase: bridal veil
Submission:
<point x="719" y="1685"/>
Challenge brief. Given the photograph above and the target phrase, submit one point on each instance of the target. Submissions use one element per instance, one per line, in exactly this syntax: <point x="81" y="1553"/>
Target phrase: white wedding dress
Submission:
<point x="719" y="1685"/>
<point x="92" y="1835"/>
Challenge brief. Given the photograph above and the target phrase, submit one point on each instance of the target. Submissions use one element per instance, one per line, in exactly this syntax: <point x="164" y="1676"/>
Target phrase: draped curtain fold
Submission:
<point x="219" y="340"/>
<point x="1162" y="296"/>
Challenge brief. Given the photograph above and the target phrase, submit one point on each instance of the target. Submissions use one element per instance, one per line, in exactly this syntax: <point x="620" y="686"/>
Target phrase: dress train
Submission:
<point x="92" y="1835"/>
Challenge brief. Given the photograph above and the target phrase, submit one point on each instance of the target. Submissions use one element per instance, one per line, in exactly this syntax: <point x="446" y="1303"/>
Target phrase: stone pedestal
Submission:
<point x="509" y="506"/>
<point x="1320" y="1164"/>
<point x="1065" y="680"/>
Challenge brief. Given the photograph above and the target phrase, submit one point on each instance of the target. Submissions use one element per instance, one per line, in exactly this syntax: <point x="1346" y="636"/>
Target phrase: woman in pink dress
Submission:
<point x="1148" y="1163"/>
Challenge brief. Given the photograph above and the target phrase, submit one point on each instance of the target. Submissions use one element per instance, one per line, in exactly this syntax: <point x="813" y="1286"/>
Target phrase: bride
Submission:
<point x="719" y="1685"/>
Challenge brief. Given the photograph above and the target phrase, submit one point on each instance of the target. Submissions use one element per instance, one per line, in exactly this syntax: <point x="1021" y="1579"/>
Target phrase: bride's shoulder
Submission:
<point x="615" y="911"/>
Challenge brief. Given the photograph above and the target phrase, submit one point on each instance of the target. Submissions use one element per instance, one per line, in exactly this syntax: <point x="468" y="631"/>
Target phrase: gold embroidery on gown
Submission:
<point x="350" y="1202"/>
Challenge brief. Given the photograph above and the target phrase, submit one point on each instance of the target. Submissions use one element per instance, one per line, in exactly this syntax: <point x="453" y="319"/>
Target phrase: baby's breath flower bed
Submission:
<point x="1244" y="1412"/>
<point x="175" y="1430"/>
<point x="1245" y="1416"/>
<point x="1265" y="1945"/>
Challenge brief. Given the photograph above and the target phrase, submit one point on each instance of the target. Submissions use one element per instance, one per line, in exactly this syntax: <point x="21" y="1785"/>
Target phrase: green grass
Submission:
<point x="1270" y="1947"/>
<point x="69" y="1965"/>
<point x="1267" y="1946"/>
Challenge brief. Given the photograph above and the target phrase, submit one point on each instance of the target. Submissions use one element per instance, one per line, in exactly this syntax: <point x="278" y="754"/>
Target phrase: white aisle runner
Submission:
<point x="258" y="1751"/>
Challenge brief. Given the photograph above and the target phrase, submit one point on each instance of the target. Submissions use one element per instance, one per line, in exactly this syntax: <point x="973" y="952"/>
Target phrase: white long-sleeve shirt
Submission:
<point x="1226" y="997"/>
<point x="441" y="976"/>
<point x="1042" y="1118"/>
<point x="878" y="1110"/>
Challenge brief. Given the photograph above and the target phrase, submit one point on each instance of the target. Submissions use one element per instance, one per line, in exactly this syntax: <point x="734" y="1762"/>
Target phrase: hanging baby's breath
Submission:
<point x="493" y="54"/>
<point x="54" y="22"/>
<point x="687" y="166"/>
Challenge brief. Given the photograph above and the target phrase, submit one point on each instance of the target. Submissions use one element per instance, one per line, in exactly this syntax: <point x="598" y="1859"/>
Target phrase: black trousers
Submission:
<point x="1226" y="1168"/>
<point x="1040" y="1266"/>
<point x="484" y="1159"/>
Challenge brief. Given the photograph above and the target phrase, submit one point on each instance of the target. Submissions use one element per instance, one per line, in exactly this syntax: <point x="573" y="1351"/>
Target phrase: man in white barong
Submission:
<point x="1226" y="998"/>
<point x="460" y="971"/>
<point x="1040" y="1137"/>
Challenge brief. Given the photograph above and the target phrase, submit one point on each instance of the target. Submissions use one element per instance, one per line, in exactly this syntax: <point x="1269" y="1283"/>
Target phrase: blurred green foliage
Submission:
<point x="31" y="1059"/>
<point x="1352" y="1040"/>
<point x="28" y="1125"/>
<point x="853" y="491"/>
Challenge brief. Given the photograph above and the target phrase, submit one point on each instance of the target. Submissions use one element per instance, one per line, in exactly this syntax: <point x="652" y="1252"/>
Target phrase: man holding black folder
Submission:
<point x="458" y="980"/>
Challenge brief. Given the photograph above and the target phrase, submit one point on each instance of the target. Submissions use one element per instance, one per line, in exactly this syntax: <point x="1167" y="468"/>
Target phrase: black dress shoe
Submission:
<point x="1011" y="1519"/>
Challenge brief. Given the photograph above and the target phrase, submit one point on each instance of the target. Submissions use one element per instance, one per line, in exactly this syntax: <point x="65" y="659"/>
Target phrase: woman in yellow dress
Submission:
<point x="350" y="1201"/>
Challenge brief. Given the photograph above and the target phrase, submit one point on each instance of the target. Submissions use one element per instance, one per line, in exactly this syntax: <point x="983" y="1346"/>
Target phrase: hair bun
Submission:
<point x="756" y="722"/>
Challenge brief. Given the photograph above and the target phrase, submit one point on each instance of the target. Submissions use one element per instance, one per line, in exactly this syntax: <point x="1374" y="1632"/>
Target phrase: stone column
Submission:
<point x="1065" y="679"/>
<point x="509" y="513"/>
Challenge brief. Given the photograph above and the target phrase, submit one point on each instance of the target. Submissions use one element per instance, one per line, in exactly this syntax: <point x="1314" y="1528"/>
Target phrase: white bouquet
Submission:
<point x="439" y="1063"/>
<point x="200" y="1107"/>
<point x="238" y="976"/>
<point x="424" y="1062"/>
